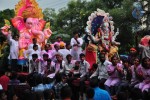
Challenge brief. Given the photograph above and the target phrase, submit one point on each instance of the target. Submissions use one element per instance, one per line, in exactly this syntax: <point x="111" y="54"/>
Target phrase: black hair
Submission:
<point x="82" y="55"/>
<point x="45" y="55"/>
<point x="122" y="96"/>
<point x="49" y="60"/>
<point x="14" y="75"/>
<point x="34" y="56"/>
<point x="39" y="79"/>
<point x="27" y="95"/>
<point x="56" y="45"/>
<point x="35" y="46"/>
<point x="15" y="35"/>
<point x="124" y="60"/>
<point x="67" y="44"/>
<point x="143" y="62"/>
<point x="90" y="93"/>
<point x="48" y="94"/>
<point x="69" y="55"/>
<point x="94" y="82"/>
<point x="101" y="55"/>
<point x="38" y="95"/>
<point x="45" y="80"/>
<point x="46" y="45"/>
<point x="58" y="77"/>
<point x="34" y="39"/>
<point x="2" y="72"/>
<point x="66" y="92"/>
<point x="95" y="65"/>
<point x="113" y="57"/>
<point x="75" y="32"/>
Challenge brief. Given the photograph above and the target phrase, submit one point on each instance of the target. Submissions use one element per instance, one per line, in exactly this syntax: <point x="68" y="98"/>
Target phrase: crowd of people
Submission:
<point x="59" y="71"/>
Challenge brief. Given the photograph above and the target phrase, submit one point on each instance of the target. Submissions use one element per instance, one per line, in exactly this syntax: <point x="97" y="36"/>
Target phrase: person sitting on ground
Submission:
<point x="101" y="71"/>
<point x="144" y="75"/>
<point x="114" y="70"/>
<point x="69" y="64"/>
<point x="134" y="71"/>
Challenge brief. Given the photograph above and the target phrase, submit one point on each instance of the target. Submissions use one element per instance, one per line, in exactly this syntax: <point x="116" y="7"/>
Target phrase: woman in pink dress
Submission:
<point x="144" y="74"/>
<point x="134" y="71"/>
<point x="114" y="71"/>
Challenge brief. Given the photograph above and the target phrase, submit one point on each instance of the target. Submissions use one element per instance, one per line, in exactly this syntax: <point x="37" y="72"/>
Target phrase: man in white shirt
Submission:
<point x="14" y="50"/>
<point x="34" y="40"/>
<point x="28" y="53"/>
<point x="101" y="71"/>
<point x="69" y="64"/>
<point x="76" y="44"/>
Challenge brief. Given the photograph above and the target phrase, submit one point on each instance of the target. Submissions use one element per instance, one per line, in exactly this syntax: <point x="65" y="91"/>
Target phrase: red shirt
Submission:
<point x="4" y="80"/>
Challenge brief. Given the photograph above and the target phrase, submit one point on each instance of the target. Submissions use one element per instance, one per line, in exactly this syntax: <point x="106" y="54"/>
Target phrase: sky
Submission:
<point x="56" y="4"/>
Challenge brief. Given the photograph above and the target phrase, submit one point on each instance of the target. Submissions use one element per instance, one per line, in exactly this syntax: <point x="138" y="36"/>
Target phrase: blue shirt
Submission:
<point x="101" y="94"/>
<point x="38" y="88"/>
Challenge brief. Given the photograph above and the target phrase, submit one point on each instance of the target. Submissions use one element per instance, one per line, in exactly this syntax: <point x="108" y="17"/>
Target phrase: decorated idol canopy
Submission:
<point x="29" y="22"/>
<point x="100" y="25"/>
<point x="100" y="35"/>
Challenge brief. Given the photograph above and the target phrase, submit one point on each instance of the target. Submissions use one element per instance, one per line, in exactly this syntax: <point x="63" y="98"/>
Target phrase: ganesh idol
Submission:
<point x="29" y="22"/>
<point x="100" y="36"/>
